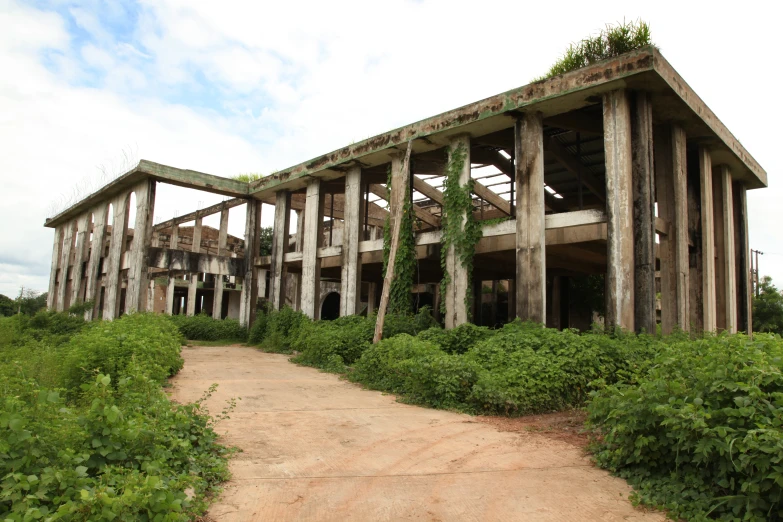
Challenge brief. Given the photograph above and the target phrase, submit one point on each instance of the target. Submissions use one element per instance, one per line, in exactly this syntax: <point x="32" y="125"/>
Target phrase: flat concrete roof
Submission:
<point x="645" y="69"/>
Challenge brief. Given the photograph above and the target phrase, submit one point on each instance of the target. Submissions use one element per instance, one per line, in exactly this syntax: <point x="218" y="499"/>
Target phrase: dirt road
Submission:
<point x="318" y="448"/>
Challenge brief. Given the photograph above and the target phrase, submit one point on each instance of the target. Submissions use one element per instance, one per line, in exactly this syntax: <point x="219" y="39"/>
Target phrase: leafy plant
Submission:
<point x="202" y="327"/>
<point x="400" y="300"/>
<point x="768" y="308"/>
<point x="282" y="327"/>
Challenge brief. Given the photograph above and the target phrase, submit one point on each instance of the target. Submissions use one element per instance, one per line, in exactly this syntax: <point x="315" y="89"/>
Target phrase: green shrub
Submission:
<point x="258" y="329"/>
<point x="151" y="340"/>
<point x="411" y="324"/>
<point x="282" y="327"/>
<point x="456" y="340"/>
<point x="701" y="433"/>
<point x="381" y="366"/>
<point x="321" y="342"/>
<point x="202" y="327"/>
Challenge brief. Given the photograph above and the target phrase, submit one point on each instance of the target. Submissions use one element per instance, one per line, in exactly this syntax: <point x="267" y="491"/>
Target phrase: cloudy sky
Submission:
<point x="235" y="87"/>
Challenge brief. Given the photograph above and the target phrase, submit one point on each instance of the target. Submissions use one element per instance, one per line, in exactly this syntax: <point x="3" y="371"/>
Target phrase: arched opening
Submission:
<point x="330" y="309"/>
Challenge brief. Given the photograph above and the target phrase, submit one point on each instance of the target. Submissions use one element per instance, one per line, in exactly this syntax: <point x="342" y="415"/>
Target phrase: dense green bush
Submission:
<point x="397" y="323"/>
<point x="333" y="344"/>
<point x="701" y="433"/>
<point x="202" y="327"/>
<point x="456" y="340"/>
<point x="258" y="329"/>
<point x="112" y="447"/>
<point x="282" y="327"/>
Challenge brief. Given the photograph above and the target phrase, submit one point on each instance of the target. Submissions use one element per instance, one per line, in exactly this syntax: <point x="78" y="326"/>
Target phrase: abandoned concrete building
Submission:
<point x="617" y="169"/>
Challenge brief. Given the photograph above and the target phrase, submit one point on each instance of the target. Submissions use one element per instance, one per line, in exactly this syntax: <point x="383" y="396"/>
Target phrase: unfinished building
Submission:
<point x="617" y="169"/>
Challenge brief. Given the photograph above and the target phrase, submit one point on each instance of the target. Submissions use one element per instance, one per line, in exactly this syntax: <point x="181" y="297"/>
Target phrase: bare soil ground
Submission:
<point x="315" y="447"/>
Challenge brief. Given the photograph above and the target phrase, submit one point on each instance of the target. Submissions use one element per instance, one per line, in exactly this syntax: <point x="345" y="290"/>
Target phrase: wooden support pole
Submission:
<point x="92" y="293"/>
<point x="217" y="294"/>
<point x="643" y="214"/>
<point x="173" y="243"/>
<point x="142" y="235"/>
<point x="65" y="260"/>
<point x="456" y="292"/>
<point x="742" y="256"/>
<point x="51" y="296"/>
<point x="725" y="262"/>
<point x="313" y="238"/>
<point x="279" y="249"/>
<point x="80" y="255"/>
<point x="707" y="240"/>
<point x="249" y="298"/>
<point x="117" y="247"/>
<point x="399" y="191"/>
<point x="193" y="285"/>
<point x="671" y="193"/>
<point x="531" y="230"/>
<point x="351" y="276"/>
<point x="619" y="209"/>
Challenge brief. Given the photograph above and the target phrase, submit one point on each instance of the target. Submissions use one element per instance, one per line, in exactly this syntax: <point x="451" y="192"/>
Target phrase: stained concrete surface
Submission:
<point x="315" y="447"/>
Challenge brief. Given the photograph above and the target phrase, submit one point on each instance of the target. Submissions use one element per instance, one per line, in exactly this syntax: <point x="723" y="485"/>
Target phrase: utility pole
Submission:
<point x="754" y="269"/>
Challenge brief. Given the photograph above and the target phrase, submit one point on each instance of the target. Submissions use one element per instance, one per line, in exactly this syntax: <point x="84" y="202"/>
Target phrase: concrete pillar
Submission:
<point x="80" y="254"/>
<point x="92" y="293"/>
<point x="142" y="236"/>
<point x="311" y="265"/>
<point x="297" y="278"/>
<point x="65" y="260"/>
<point x="113" y="262"/>
<point x="217" y="294"/>
<point x="249" y="297"/>
<point x="671" y="192"/>
<point x="51" y="296"/>
<point x="725" y="262"/>
<point x="457" y="290"/>
<point x="742" y="256"/>
<point x="696" y="256"/>
<point x="193" y="286"/>
<point x="372" y="287"/>
<point x="643" y="214"/>
<point x="173" y="243"/>
<point x="279" y="248"/>
<point x="619" y="209"/>
<point x="530" y="236"/>
<point x="707" y="240"/>
<point x="351" y="276"/>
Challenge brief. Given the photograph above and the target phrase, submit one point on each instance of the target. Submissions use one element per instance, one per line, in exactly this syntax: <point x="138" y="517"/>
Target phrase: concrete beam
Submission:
<point x="183" y="261"/>
<point x="619" y="205"/>
<point x="575" y="167"/>
<point x="204" y="212"/>
<point x="424" y="215"/>
<point x="530" y="221"/>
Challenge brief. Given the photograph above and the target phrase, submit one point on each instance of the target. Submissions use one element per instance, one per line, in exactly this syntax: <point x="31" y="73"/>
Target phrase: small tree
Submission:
<point x="768" y="308"/>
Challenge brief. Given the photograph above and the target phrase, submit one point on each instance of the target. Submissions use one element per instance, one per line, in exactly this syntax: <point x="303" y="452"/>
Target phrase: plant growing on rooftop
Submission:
<point x="613" y="40"/>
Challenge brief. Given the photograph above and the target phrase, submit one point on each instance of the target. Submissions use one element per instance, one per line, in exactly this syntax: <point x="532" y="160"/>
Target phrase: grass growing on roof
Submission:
<point x="613" y="40"/>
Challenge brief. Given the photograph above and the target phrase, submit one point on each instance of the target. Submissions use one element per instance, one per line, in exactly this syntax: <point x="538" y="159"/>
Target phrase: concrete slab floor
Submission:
<point x="318" y="448"/>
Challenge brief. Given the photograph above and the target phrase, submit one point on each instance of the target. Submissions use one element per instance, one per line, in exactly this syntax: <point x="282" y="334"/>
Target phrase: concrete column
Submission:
<point x="742" y="256"/>
<point x="51" y="296"/>
<point x="457" y="290"/>
<point x="707" y="240"/>
<point x="249" y="298"/>
<point x="193" y="286"/>
<point x="372" y="287"/>
<point x="351" y="276"/>
<point x="671" y="192"/>
<point x="725" y="262"/>
<point x="311" y="265"/>
<point x="279" y="248"/>
<point x="65" y="260"/>
<point x="695" y="244"/>
<point x="261" y="276"/>
<point x="80" y="253"/>
<point x="100" y="213"/>
<point x="113" y="262"/>
<point x="619" y="209"/>
<point x="217" y="297"/>
<point x="297" y="278"/>
<point x="530" y="236"/>
<point x="142" y="236"/>
<point x="643" y="214"/>
<point x="173" y="243"/>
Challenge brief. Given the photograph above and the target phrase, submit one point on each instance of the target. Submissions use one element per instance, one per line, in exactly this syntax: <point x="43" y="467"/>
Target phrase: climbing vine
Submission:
<point x="405" y="261"/>
<point x="458" y="202"/>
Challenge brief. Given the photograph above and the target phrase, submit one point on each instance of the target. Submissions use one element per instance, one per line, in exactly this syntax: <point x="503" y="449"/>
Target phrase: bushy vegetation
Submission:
<point x="768" y="308"/>
<point x="202" y="327"/>
<point x="612" y="41"/>
<point x="86" y="431"/>
<point x="701" y="432"/>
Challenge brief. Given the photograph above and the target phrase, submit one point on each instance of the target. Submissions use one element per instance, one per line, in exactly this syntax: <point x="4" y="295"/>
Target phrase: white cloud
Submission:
<point x="235" y="87"/>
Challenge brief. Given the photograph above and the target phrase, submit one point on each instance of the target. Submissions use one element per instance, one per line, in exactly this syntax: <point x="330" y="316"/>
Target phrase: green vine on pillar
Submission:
<point x="405" y="262"/>
<point x="458" y="202"/>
